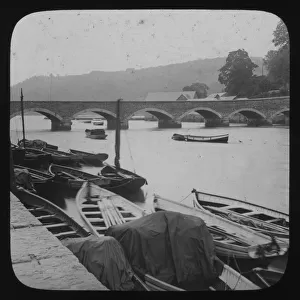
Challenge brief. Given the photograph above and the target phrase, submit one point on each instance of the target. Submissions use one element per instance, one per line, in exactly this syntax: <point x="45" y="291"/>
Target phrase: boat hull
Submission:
<point x="96" y="136"/>
<point x="75" y="178"/>
<point x="130" y="181"/>
<point x="204" y="139"/>
<point x="51" y="216"/>
<point x="229" y="237"/>
<point x="244" y="209"/>
<point x="98" y="215"/>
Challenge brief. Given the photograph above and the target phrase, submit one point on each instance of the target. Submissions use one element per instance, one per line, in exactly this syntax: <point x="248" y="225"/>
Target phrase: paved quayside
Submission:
<point x="39" y="260"/>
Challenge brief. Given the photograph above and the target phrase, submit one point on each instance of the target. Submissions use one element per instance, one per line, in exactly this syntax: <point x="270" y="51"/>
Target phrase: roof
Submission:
<point x="228" y="98"/>
<point x="169" y="96"/>
<point x="222" y="96"/>
<point x="215" y="94"/>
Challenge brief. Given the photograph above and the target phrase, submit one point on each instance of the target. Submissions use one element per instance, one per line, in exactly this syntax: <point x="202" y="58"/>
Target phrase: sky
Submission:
<point x="78" y="42"/>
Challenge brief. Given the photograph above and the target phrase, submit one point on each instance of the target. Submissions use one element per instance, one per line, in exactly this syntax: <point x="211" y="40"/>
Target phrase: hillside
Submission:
<point x="128" y="85"/>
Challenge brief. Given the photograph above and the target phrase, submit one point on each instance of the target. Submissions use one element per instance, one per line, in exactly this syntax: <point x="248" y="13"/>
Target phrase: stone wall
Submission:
<point x="39" y="260"/>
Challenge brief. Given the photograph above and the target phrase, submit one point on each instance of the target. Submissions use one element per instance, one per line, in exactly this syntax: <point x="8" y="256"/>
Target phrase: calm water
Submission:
<point x="253" y="166"/>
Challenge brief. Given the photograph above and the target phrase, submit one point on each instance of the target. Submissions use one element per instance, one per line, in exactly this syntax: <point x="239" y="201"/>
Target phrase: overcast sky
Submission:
<point x="78" y="42"/>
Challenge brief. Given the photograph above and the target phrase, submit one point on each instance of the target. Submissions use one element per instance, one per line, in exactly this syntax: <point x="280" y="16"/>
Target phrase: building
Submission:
<point x="170" y="96"/>
<point x="222" y="97"/>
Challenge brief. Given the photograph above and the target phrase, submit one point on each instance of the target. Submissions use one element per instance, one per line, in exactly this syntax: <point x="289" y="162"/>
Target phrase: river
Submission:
<point x="253" y="166"/>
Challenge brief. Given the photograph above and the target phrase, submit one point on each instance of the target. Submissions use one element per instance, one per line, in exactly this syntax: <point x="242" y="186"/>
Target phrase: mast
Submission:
<point x="117" y="143"/>
<point x="22" y="114"/>
<point x="12" y="173"/>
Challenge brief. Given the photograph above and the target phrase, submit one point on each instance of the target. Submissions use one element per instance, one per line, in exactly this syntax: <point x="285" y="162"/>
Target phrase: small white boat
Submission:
<point x="256" y="217"/>
<point x="102" y="208"/>
<point x="97" y="122"/>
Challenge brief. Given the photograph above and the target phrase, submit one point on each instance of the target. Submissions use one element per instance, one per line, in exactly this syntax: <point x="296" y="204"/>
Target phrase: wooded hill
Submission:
<point x="129" y="85"/>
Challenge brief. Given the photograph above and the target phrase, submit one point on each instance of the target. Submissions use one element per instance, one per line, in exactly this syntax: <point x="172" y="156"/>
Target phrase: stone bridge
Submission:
<point x="215" y="112"/>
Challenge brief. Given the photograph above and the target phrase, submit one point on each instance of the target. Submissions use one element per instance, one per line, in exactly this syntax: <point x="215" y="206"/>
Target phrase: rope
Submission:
<point x="130" y="151"/>
<point x="185" y="197"/>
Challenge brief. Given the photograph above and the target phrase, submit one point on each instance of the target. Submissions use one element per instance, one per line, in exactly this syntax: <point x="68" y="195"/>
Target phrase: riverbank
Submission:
<point x="39" y="260"/>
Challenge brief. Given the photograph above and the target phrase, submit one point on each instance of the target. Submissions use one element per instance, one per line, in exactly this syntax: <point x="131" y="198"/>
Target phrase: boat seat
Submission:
<point x="89" y="205"/>
<point x="92" y="212"/>
<point x="56" y="225"/>
<point x="95" y="219"/>
<point x="100" y="227"/>
<point x="275" y="220"/>
<point x="130" y="218"/>
<point x="36" y="209"/>
<point x="61" y="234"/>
<point x="251" y="213"/>
<point x="45" y="217"/>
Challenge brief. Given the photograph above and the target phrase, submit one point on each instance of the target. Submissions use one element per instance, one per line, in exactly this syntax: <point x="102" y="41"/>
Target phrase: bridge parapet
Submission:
<point x="216" y="112"/>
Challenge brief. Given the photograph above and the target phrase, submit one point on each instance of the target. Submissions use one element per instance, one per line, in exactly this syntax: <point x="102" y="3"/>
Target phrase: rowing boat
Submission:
<point x="258" y="218"/>
<point x="159" y="243"/>
<point x="122" y="179"/>
<point x="51" y="216"/>
<point x="56" y="157"/>
<point x="39" y="144"/>
<point x="229" y="279"/>
<point x="197" y="138"/>
<point x="105" y="208"/>
<point x="98" y="134"/>
<point x="230" y="238"/>
<point x="27" y="158"/>
<point x="97" y="122"/>
<point x="59" y="155"/>
<point x="38" y="177"/>
<point x="75" y="178"/>
<point x="91" y="158"/>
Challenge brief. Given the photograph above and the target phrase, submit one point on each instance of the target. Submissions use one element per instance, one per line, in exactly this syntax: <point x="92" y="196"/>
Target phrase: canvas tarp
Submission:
<point x="105" y="259"/>
<point x="173" y="247"/>
<point x="23" y="179"/>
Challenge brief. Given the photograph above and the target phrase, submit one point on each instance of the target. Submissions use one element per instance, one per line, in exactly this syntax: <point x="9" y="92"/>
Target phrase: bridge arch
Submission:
<point x="206" y="112"/>
<point x="285" y="111"/>
<point x="249" y="113"/>
<point x="48" y="113"/>
<point x="158" y="113"/>
<point x="103" y="112"/>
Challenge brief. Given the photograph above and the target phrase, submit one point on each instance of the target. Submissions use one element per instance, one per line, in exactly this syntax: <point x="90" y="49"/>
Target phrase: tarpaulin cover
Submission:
<point x="23" y="178"/>
<point x="173" y="247"/>
<point x="105" y="259"/>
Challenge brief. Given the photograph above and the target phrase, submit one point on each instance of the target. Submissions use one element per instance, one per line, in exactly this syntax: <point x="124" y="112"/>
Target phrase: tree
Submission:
<point x="237" y="72"/>
<point x="281" y="36"/>
<point x="277" y="61"/>
<point x="200" y="89"/>
<point x="257" y="86"/>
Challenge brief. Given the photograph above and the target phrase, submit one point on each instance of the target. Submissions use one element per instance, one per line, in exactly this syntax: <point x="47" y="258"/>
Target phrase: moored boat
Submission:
<point x="39" y="144"/>
<point x="75" y="178"/>
<point x="98" y="134"/>
<point x="91" y="158"/>
<point x="101" y="208"/>
<point x="27" y="158"/>
<point x="38" y="177"/>
<point x="197" y="138"/>
<point x="97" y="122"/>
<point x="259" y="218"/>
<point x="51" y="216"/>
<point x="230" y="238"/>
<point x="56" y="156"/>
<point x="122" y="179"/>
<point x="174" y="252"/>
